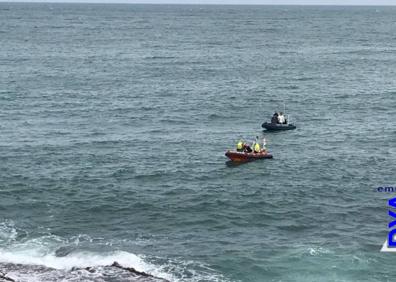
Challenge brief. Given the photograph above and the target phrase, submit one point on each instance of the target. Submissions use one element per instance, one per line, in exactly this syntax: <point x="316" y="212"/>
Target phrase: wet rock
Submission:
<point x="132" y="270"/>
<point x="3" y="276"/>
<point x="64" y="251"/>
<point x="113" y="272"/>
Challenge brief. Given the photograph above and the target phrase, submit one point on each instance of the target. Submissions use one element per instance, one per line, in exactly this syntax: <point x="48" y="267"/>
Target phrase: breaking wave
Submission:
<point x="52" y="258"/>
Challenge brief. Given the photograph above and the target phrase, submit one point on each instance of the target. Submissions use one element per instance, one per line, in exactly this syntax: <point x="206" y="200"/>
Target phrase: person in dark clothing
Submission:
<point x="247" y="148"/>
<point x="274" y="118"/>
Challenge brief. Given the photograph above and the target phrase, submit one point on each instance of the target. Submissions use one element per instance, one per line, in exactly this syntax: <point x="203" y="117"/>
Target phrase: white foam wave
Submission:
<point x="64" y="254"/>
<point x="33" y="257"/>
<point x="80" y="260"/>
<point x="315" y="251"/>
<point x="8" y="232"/>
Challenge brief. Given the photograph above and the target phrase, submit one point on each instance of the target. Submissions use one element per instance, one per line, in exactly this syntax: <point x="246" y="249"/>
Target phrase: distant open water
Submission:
<point x="114" y="120"/>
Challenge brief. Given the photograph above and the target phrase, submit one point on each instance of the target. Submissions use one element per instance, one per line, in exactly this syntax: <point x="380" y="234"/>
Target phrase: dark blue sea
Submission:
<point x="114" y="121"/>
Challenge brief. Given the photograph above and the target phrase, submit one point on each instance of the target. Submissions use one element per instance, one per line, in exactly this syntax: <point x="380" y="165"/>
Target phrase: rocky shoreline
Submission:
<point x="113" y="272"/>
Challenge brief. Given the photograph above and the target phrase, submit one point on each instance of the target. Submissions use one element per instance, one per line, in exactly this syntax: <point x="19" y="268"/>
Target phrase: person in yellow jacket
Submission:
<point x="240" y="146"/>
<point x="256" y="147"/>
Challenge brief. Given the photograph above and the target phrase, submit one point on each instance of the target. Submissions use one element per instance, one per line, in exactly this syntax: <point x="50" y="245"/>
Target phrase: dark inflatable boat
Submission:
<point x="247" y="157"/>
<point x="277" y="127"/>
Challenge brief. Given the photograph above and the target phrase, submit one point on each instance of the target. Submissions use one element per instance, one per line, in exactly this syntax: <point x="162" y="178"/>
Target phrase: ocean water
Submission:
<point x="114" y="121"/>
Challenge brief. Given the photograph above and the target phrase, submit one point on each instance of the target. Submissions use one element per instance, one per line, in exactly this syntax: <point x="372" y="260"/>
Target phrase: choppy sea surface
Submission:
<point x="114" y="120"/>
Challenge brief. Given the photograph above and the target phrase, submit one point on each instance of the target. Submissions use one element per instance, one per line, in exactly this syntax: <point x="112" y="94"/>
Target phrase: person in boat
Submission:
<point x="247" y="148"/>
<point x="274" y="118"/>
<point x="240" y="146"/>
<point x="281" y="118"/>
<point x="264" y="148"/>
<point x="256" y="146"/>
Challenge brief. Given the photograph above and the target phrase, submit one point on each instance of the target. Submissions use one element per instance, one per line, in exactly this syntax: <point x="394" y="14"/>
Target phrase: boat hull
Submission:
<point x="277" y="127"/>
<point x="247" y="157"/>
